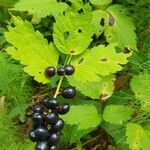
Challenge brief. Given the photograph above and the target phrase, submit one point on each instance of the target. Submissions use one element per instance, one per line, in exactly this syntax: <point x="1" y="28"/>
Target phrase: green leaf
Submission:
<point x="120" y="28"/>
<point x="116" y="131"/>
<point x="117" y="114"/>
<point x="100" y="2"/>
<point x="71" y="134"/>
<point x="40" y="8"/>
<point x="72" y="34"/>
<point x="99" y="20"/>
<point x="10" y="135"/>
<point x="137" y="137"/>
<point x="85" y="115"/>
<point x="139" y="85"/>
<point x="31" y="49"/>
<point x="105" y="86"/>
<point x="97" y="61"/>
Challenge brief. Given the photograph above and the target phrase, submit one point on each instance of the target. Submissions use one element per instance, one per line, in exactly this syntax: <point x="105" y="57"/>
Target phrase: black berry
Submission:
<point x="38" y="109"/>
<point x="69" y="70"/>
<point x="58" y="125"/>
<point x="51" y="118"/>
<point x="60" y="71"/>
<point x="37" y="119"/>
<point x="54" y="138"/>
<point x="63" y="109"/>
<point x="50" y="103"/>
<point x="42" y="145"/>
<point x="53" y="148"/>
<point x="50" y="71"/>
<point x="32" y="136"/>
<point x="69" y="92"/>
<point x="41" y="133"/>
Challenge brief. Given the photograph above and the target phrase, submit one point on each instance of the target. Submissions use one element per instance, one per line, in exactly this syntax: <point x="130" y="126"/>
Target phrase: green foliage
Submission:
<point x="101" y="60"/>
<point x="117" y="132"/>
<point x="40" y="8"/>
<point x="39" y="51"/>
<point x="137" y="137"/>
<point x="104" y="86"/>
<point x="7" y="3"/>
<point x="86" y="115"/>
<point x="100" y="2"/>
<point x="71" y="134"/>
<point x="117" y="114"/>
<point x="93" y="36"/>
<point x="9" y="137"/>
<point x="15" y="86"/>
<point x="122" y="31"/>
<point x="142" y="92"/>
<point x="72" y="35"/>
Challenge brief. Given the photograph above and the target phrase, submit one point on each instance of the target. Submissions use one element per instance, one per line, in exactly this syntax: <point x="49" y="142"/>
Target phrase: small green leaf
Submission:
<point x="120" y="28"/>
<point x="86" y="115"/>
<point x="141" y="92"/>
<point x="105" y="86"/>
<point x="139" y="85"/>
<point x="97" y="61"/>
<point x="31" y="49"/>
<point x="40" y="8"/>
<point x="71" y="134"/>
<point x="116" y="131"/>
<point x="137" y="137"/>
<point x="72" y="34"/>
<point x="100" y="2"/>
<point x="117" y="114"/>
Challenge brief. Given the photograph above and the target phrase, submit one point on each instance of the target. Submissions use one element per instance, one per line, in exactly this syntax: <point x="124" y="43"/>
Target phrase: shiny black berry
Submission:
<point x="69" y="70"/>
<point x="51" y="118"/>
<point x="60" y="71"/>
<point x="42" y="145"/>
<point x="69" y="92"/>
<point x="58" y="125"/>
<point x="54" y="138"/>
<point x="37" y="119"/>
<point x="32" y="136"/>
<point x="41" y="133"/>
<point x="50" y="71"/>
<point x="50" y="103"/>
<point x="53" y="148"/>
<point x="63" y="109"/>
<point x="38" y="109"/>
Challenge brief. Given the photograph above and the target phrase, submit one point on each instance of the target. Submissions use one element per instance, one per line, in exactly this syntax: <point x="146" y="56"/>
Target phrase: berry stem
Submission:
<point x="68" y="59"/>
<point x="58" y="87"/>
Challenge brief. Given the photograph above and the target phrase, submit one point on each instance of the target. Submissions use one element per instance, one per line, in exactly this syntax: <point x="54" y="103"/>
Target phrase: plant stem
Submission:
<point x="68" y="58"/>
<point x="58" y="87"/>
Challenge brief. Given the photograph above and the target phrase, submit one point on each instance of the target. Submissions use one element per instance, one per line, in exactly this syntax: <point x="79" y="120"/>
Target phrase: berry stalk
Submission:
<point x="67" y="61"/>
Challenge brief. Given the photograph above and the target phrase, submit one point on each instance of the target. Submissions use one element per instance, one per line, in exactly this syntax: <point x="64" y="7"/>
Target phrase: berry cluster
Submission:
<point x="46" y="122"/>
<point x="61" y="71"/>
<point x="47" y="125"/>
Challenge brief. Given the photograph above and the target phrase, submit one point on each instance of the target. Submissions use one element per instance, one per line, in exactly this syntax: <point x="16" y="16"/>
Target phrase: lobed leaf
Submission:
<point x="117" y="114"/>
<point x="72" y="34"/>
<point x="120" y="28"/>
<point x="40" y="8"/>
<point x="98" y="61"/>
<point x="100" y="2"/>
<point x="31" y="49"/>
<point x="137" y="137"/>
<point x="85" y="115"/>
<point x="104" y="86"/>
<point x="139" y="85"/>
